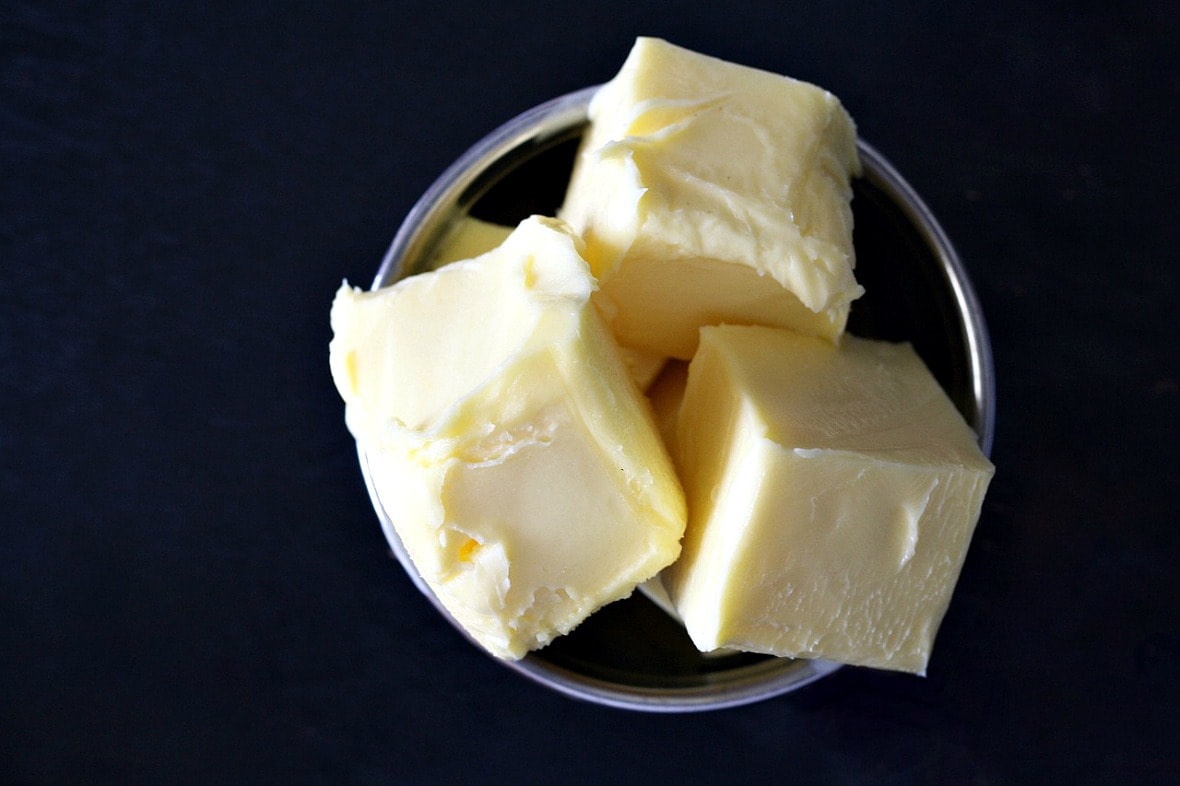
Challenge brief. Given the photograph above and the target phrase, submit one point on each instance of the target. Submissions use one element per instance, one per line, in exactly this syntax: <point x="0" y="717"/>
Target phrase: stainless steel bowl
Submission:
<point x="630" y="654"/>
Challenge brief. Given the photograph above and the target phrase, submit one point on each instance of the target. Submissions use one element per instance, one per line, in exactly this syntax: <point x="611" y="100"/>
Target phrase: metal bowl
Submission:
<point x="631" y="654"/>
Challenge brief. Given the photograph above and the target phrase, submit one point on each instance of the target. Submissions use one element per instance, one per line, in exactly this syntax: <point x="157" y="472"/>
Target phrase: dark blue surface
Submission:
<point x="193" y="587"/>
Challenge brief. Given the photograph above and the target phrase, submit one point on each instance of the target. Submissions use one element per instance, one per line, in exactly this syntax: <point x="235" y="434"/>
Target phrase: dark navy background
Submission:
<point x="193" y="586"/>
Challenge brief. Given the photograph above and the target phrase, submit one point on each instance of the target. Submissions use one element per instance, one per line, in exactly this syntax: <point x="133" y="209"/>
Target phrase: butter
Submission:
<point x="470" y="237"/>
<point x="644" y="367"/>
<point x="467" y="238"/>
<point x="709" y="192"/>
<point x="665" y="394"/>
<point x="832" y="494"/>
<point x="518" y="462"/>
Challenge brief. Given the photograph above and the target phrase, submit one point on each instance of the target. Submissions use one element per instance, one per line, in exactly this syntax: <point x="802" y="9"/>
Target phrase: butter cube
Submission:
<point x="469" y="237"/>
<point x="518" y="462"/>
<point x="832" y="494"/>
<point x="709" y="192"/>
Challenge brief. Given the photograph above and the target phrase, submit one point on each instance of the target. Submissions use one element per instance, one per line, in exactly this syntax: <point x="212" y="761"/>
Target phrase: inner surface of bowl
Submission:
<point x="631" y="654"/>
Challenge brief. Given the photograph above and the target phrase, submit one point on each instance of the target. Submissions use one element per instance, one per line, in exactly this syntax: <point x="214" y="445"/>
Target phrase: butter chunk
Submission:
<point x="709" y="192"/>
<point x="517" y="460"/>
<point x="468" y="237"/>
<point x="832" y="495"/>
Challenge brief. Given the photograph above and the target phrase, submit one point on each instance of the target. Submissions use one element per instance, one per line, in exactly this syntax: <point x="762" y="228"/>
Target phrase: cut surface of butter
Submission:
<point x="711" y="192"/>
<point x="519" y="464"/>
<point x="832" y="495"/>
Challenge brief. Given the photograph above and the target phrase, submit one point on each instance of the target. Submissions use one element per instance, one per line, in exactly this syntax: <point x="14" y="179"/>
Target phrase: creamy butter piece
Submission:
<point x="832" y="496"/>
<point x="643" y="366"/>
<point x="665" y="394"/>
<point x="709" y="192"/>
<point x="468" y="237"/>
<point x="517" y="460"/>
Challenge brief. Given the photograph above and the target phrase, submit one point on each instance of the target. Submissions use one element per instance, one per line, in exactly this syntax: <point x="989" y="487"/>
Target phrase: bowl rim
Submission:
<point x="538" y="126"/>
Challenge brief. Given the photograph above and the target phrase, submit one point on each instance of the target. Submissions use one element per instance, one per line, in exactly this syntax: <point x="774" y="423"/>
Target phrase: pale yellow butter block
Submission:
<point x="517" y="460"/>
<point x="665" y="394"/>
<point x="709" y="192"/>
<point x="832" y="496"/>
<point x="643" y="366"/>
<point x="468" y="237"/>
